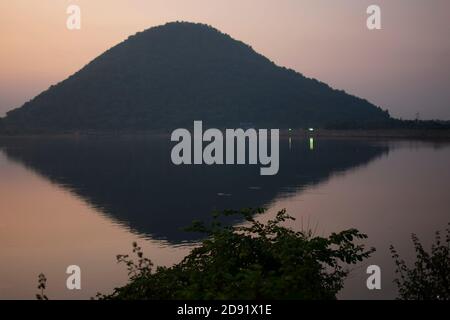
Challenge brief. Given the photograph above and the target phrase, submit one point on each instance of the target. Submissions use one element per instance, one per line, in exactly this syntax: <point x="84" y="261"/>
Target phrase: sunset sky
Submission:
<point x="405" y="67"/>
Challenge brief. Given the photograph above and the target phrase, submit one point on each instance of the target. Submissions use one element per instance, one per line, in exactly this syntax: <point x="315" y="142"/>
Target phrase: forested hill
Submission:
<point x="168" y="76"/>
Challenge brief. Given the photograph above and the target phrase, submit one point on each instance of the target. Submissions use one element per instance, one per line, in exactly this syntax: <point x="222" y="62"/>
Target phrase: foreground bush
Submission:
<point x="429" y="277"/>
<point x="256" y="261"/>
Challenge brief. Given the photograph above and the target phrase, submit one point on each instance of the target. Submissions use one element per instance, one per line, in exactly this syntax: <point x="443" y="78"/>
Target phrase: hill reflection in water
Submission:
<point x="133" y="181"/>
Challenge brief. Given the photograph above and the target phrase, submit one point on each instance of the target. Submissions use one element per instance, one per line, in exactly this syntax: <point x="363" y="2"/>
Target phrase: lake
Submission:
<point x="83" y="200"/>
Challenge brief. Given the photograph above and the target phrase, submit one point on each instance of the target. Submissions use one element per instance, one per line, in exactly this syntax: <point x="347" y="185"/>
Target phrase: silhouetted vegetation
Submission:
<point x="429" y="277"/>
<point x="168" y="76"/>
<point x="255" y="261"/>
<point x="42" y="285"/>
<point x="259" y="260"/>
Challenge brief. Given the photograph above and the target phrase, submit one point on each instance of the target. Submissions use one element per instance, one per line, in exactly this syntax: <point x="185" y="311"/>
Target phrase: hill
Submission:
<point x="168" y="76"/>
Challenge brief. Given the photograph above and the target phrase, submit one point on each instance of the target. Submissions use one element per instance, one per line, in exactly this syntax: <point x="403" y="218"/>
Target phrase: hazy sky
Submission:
<point x="405" y="67"/>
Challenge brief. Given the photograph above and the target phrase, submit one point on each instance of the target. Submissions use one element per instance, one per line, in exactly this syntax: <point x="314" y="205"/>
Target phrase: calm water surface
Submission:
<point x="84" y="200"/>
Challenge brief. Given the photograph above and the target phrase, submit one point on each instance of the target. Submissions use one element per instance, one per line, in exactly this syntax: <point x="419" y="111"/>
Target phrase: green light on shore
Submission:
<point x="311" y="143"/>
<point x="311" y="129"/>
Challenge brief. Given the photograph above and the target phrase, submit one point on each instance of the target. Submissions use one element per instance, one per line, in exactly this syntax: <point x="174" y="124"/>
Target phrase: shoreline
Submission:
<point x="413" y="134"/>
<point x="425" y="134"/>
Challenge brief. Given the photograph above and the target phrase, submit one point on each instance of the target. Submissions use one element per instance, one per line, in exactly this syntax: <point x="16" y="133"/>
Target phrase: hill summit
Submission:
<point x="168" y="76"/>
